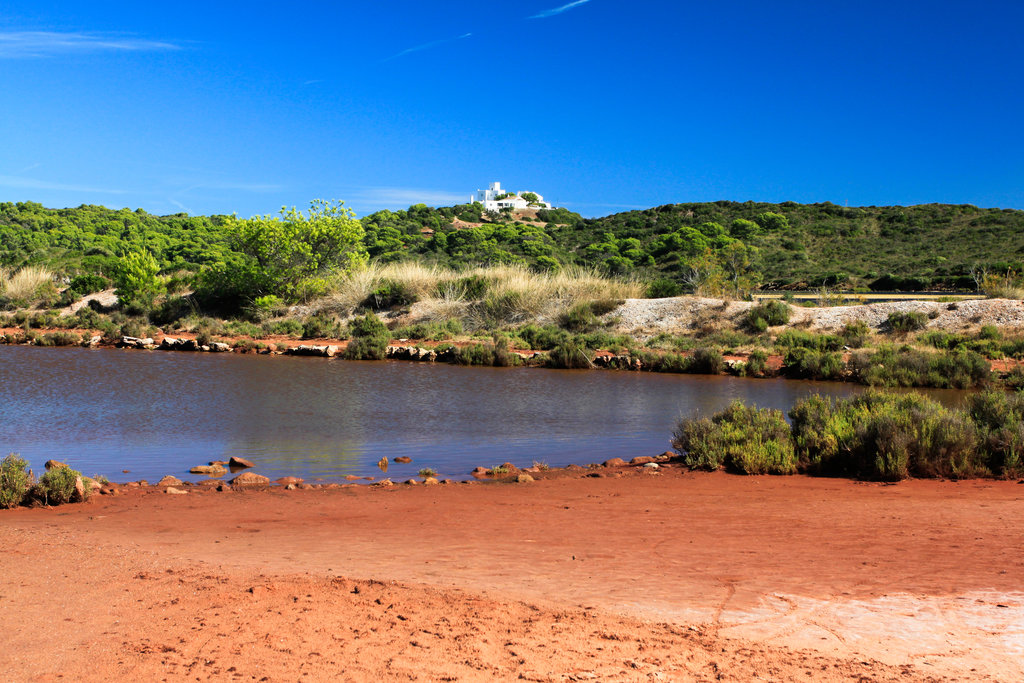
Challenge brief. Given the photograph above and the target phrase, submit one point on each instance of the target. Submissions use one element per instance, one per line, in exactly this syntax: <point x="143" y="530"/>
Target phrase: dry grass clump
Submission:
<point x="26" y="286"/>
<point x="480" y="297"/>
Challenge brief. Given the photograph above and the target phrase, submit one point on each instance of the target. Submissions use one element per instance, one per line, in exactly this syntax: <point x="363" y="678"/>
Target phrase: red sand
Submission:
<point x="667" y="576"/>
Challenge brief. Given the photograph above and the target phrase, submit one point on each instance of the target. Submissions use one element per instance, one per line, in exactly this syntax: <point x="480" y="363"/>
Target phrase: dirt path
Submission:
<point x="661" y="577"/>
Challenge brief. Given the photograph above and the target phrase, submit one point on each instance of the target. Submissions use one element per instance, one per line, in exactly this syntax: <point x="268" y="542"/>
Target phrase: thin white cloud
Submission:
<point x="558" y="10"/>
<point x="313" y="81"/>
<point x="22" y="183"/>
<point x="181" y="206"/>
<point x="27" y="44"/>
<point x="427" y="46"/>
<point x="404" y="197"/>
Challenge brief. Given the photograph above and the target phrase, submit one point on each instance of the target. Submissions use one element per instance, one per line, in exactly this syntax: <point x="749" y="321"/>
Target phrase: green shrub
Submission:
<point x="89" y="283"/>
<point x="15" y="480"/>
<point x="756" y="364"/>
<point x="999" y="417"/>
<point x="808" y="340"/>
<point x="903" y="322"/>
<point x="579" y="318"/>
<point x="322" y="326"/>
<point x="663" y="288"/>
<point x="370" y="337"/>
<point x="59" y="339"/>
<point x="704" y="361"/>
<point x="885" y="436"/>
<point x="855" y="333"/>
<point x="569" y="354"/>
<point x="906" y="366"/>
<point x="266" y="307"/>
<point x="390" y="294"/>
<point x="541" y="338"/>
<point x="57" y="486"/>
<point x="289" y="327"/>
<point x="768" y="314"/>
<point x="742" y="439"/>
<point x="807" y="363"/>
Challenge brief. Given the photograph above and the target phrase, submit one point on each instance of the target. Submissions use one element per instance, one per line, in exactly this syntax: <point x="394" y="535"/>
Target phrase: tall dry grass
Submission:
<point x="511" y="293"/>
<point x="27" y="286"/>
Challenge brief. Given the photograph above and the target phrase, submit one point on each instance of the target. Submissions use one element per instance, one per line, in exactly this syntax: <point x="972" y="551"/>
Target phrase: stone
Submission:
<point x="479" y="472"/>
<point x="51" y="464"/>
<point x="411" y="482"/>
<point x="384" y="483"/>
<point x="667" y="455"/>
<point x="168" y="481"/>
<point x="614" y="462"/>
<point x="219" y="462"/>
<point x="235" y="461"/>
<point x="94" y="340"/>
<point x="289" y="481"/>
<point x="351" y="477"/>
<point x="404" y="459"/>
<point x="290" y="487"/>
<point x="219" y="347"/>
<point x="524" y="478"/>
<point x="223" y="488"/>
<point x="651" y="466"/>
<point x="641" y="460"/>
<point x="209" y="470"/>
<point x="250" y="480"/>
<point x="109" y="491"/>
<point x="510" y="467"/>
<point x="174" y="491"/>
<point x="431" y="481"/>
<point x="79" y="494"/>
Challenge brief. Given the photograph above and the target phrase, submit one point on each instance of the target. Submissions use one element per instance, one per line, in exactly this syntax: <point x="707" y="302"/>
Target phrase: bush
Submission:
<point x="88" y="284"/>
<point x="57" y="486"/>
<point x="390" y="294"/>
<point x="768" y="314"/>
<point x="579" y="318"/>
<point x="704" y="361"/>
<point x="884" y="436"/>
<point x="370" y="337"/>
<point x="855" y="333"/>
<point x="541" y="338"/>
<point x="807" y="363"/>
<point x="322" y="326"/>
<point x="15" y="480"/>
<point x="742" y="439"/>
<point x="569" y="354"/>
<point x="809" y="340"/>
<point x="663" y="289"/>
<point x="909" y="367"/>
<point x="903" y="322"/>
<point x="999" y="417"/>
<point x="289" y="327"/>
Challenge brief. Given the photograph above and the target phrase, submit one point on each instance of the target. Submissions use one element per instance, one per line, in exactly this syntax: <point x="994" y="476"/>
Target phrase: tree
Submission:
<point x="290" y="254"/>
<point x="135" y="277"/>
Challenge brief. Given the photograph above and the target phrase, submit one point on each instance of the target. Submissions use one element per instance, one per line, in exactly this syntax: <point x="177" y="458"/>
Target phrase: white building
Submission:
<point x="495" y="199"/>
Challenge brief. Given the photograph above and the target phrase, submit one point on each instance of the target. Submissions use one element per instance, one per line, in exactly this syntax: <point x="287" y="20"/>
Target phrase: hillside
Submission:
<point x="726" y="244"/>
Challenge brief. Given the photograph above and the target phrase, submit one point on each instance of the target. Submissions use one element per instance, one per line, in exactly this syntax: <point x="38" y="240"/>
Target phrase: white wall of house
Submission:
<point x="489" y="198"/>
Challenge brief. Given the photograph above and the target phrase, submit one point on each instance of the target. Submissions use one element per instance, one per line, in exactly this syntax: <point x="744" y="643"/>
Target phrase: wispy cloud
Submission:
<point x="241" y="187"/>
<point x="427" y="46"/>
<point x="558" y="10"/>
<point x="52" y="43"/>
<point x="404" y="197"/>
<point x="23" y="183"/>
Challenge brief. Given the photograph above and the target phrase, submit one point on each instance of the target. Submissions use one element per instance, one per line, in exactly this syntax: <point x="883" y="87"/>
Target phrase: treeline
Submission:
<point x="714" y="248"/>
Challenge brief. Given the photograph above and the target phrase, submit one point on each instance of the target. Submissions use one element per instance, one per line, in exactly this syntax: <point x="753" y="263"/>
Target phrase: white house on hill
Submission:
<point x="495" y="199"/>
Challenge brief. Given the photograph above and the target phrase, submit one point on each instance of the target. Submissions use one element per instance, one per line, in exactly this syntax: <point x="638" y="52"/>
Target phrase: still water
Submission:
<point x="156" y="413"/>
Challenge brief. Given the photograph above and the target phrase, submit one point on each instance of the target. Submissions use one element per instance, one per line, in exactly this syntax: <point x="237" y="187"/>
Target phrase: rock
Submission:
<point x="224" y="488"/>
<point x="479" y="472"/>
<point x="125" y="471"/>
<point x="311" y="350"/>
<point x="219" y="347"/>
<point x="524" y="479"/>
<point x="93" y="341"/>
<point x="510" y="467"/>
<point x="108" y="491"/>
<point x="250" y="480"/>
<point x="384" y="483"/>
<point x="404" y="459"/>
<point x="174" y="491"/>
<point x="79" y="494"/>
<point x="168" y="481"/>
<point x="208" y="483"/>
<point x="290" y="487"/>
<point x="351" y="477"/>
<point x="651" y="466"/>
<point x="667" y="455"/>
<point x="219" y="462"/>
<point x="235" y="461"/>
<point x="136" y="343"/>
<point x="431" y="481"/>
<point x="615" y="462"/>
<point x="51" y="464"/>
<point x="641" y="460"/>
<point x="289" y="481"/>
<point x="209" y="470"/>
<point x="596" y="475"/>
<point x="411" y="482"/>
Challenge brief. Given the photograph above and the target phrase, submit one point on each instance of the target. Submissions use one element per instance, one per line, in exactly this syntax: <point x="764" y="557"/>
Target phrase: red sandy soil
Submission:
<point x="656" y="576"/>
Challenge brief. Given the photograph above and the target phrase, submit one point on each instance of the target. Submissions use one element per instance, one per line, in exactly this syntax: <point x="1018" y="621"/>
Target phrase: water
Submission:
<point x="157" y="413"/>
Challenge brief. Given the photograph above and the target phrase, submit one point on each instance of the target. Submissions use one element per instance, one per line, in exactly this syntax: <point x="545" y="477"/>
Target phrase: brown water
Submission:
<point x="157" y="413"/>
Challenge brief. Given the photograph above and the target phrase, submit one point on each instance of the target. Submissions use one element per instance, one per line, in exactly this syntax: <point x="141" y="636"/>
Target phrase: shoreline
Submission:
<point x="684" y="575"/>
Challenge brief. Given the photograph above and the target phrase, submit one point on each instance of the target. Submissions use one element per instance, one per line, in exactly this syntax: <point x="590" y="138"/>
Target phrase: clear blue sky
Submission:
<point x="600" y="105"/>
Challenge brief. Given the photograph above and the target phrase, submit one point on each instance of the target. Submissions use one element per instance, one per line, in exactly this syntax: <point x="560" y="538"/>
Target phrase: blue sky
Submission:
<point x="599" y="105"/>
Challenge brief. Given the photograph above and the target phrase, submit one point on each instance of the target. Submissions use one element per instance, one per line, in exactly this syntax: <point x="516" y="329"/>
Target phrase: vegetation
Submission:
<point x="370" y="337"/>
<point x="876" y="435"/>
<point x="57" y="486"/>
<point x="15" y="480"/>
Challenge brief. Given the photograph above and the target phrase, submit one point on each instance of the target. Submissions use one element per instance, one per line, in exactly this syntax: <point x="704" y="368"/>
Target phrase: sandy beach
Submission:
<point x="669" y="576"/>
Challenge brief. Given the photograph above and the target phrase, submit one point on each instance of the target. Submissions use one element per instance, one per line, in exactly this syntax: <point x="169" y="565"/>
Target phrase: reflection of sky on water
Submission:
<point x="157" y="413"/>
